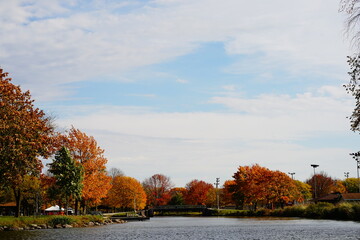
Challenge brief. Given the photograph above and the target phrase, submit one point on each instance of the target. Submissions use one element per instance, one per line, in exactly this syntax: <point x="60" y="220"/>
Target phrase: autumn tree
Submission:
<point x="177" y="196"/>
<point x="228" y="196"/>
<point x="68" y="175"/>
<point x="157" y="188"/>
<point x="26" y="134"/>
<point x="304" y="191"/>
<point x="197" y="192"/>
<point x="84" y="150"/>
<point x="256" y="184"/>
<point x="351" y="185"/>
<point x="126" y="192"/>
<point x="47" y="186"/>
<point x="324" y="184"/>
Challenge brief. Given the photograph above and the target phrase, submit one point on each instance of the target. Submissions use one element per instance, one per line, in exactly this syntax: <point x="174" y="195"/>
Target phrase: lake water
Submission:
<point x="203" y="228"/>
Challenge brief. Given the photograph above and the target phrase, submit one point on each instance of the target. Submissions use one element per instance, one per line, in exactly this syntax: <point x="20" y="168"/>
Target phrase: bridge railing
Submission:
<point x="179" y="208"/>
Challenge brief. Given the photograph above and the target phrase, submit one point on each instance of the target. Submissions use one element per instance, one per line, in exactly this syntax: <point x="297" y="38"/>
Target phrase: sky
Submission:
<point x="191" y="89"/>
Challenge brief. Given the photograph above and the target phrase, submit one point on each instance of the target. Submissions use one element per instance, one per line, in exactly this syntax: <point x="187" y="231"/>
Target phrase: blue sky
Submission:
<point x="190" y="89"/>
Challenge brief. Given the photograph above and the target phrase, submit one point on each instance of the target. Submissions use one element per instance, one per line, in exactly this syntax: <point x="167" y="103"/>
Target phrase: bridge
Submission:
<point x="179" y="208"/>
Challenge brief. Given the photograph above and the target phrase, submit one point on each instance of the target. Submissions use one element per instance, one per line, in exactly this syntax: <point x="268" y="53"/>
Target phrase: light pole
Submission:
<point x="314" y="166"/>
<point x="356" y="157"/>
<point x="217" y="182"/>
<point x="292" y="175"/>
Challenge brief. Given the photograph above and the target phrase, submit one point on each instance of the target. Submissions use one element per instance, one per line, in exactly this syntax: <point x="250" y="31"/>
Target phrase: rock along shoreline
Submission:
<point x="57" y="226"/>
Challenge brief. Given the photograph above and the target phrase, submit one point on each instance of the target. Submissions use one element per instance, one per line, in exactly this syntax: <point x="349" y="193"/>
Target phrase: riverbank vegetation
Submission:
<point x="342" y="211"/>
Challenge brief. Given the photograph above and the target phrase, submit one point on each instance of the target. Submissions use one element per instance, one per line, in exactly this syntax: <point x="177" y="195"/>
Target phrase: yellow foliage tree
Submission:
<point x="126" y="192"/>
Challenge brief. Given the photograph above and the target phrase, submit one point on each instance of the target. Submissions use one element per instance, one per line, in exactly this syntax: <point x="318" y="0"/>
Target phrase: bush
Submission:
<point x="356" y="211"/>
<point x="343" y="211"/>
<point x="62" y="220"/>
<point x="319" y="210"/>
<point x="294" y="211"/>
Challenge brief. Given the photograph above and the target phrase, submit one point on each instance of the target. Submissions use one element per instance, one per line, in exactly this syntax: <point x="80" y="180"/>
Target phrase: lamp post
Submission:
<point x="292" y="175"/>
<point x="217" y="182"/>
<point x="356" y="156"/>
<point x="314" y="166"/>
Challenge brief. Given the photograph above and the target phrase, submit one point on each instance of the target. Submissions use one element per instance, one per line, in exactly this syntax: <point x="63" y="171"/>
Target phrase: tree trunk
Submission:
<point x="76" y="206"/>
<point x="17" y="194"/>
<point x="66" y="206"/>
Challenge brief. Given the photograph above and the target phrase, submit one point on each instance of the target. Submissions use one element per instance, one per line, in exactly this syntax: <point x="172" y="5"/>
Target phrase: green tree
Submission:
<point x="26" y="134"/>
<point x="68" y="175"/>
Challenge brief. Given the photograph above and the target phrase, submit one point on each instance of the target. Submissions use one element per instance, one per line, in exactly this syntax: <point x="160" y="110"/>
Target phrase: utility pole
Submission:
<point x="292" y="175"/>
<point x="356" y="157"/>
<point x="217" y="182"/>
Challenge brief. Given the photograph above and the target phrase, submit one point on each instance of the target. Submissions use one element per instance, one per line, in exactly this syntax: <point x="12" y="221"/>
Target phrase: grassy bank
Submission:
<point x="49" y="221"/>
<point x="343" y="211"/>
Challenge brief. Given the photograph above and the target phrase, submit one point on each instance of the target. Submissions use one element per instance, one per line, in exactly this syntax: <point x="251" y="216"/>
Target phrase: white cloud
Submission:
<point x="229" y="87"/>
<point x="183" y="81"/>
<point x="269" y="130"/>
<point x="142" y="95"/>
<point x="65" y="44"/>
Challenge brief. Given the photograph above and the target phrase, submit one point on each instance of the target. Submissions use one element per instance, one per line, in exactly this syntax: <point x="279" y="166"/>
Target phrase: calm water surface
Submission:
<point x="203" y="228"/>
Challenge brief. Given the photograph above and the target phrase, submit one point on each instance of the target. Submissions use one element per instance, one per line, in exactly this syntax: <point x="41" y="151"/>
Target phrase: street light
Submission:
<point x="292" y="175"/>
<point x="356" y="156"/>
<point x="314" y="166"/>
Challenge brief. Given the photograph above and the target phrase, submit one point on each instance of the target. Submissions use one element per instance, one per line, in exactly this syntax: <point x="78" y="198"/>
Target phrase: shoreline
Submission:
<point x="55" y="222"/>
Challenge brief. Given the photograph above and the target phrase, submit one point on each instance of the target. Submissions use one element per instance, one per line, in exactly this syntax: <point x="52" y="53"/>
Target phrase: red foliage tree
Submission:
<point x="197" y="192"/>
<point x="324" y="184"/>
<point x="26" y="134"/>
<point x="157" y="188"/>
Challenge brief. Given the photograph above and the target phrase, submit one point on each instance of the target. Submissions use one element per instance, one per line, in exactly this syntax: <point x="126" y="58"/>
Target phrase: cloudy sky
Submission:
<point x="190" y="88"/>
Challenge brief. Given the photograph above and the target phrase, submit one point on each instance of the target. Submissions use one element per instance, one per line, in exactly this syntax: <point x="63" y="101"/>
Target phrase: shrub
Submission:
<point x="294" y="211"/>
<point x="356" y="211"/>
<point x="342" y="211"/>
<point x="319" y="210"/>
<point x="60" y="220"/>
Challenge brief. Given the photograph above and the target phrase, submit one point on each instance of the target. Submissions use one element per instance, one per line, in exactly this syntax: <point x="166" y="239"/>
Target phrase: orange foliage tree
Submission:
<point x="85" y="150"/>
<point x="157" y="188"/>
<point x="227" y="197"/>
<point x="256" y="184"/>
<point x="25" y="135"/>
<point x="197" y="192"/>
<point x="126" y="192"/>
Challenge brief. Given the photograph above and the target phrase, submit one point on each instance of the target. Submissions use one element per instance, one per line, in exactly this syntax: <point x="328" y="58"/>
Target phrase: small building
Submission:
<point x="351" y="197"/>
<point x="8" y="209"/>
<point x="340" y="197"/>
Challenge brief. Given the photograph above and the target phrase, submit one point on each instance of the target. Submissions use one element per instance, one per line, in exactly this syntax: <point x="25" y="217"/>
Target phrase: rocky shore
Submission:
<point x="49" y="226"/>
